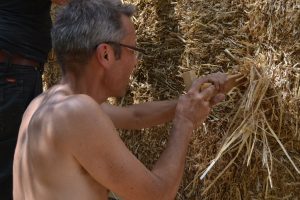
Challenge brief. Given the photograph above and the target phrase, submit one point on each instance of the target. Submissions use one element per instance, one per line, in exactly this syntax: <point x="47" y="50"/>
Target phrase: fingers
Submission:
<point x="193" y="107"/>
<point x="218" y="79"/>
<point x="217" y="99"/>
<point x="197" y="84"/>
<point x="207" y="93"/>
<point x="204" y="99"/>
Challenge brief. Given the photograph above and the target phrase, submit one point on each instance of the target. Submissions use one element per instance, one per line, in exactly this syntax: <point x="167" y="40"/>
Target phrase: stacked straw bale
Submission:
<point x="249" y="147"/>
<point x="52" y="71"/>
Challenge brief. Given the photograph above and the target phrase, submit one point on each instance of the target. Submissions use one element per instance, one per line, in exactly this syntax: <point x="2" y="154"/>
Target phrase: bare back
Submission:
<point x="43" y="168"/>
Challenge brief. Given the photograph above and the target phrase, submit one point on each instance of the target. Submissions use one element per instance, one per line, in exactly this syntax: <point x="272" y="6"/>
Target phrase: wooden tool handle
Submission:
<point x="232" y="81"/>
<point x="188" y="78"/>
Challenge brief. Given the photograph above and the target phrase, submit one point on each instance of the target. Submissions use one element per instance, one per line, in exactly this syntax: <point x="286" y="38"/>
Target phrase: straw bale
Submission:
<point x="251" y="37"/>
<point x="254" y="135"/>
<point x="52" y="72"/>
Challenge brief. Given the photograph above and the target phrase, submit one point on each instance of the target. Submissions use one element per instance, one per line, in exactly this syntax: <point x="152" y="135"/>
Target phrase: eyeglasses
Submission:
<point x="137" y="51"/>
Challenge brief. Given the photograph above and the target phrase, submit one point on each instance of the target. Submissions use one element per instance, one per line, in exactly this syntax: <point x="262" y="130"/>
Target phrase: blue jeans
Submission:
<point x="18" y="86"/>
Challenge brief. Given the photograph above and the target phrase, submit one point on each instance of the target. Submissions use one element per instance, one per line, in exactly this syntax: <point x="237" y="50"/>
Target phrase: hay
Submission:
<point x="52" y="72"/>
<point x="259" y="123"/>
<point x="249" y="146"/>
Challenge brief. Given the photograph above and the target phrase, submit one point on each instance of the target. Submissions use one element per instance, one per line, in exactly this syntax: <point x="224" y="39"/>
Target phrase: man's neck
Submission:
<point x="89" y="84"/>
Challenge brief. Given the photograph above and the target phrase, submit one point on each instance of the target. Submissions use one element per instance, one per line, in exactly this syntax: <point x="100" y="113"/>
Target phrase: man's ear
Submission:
<point x="105" y="54"/>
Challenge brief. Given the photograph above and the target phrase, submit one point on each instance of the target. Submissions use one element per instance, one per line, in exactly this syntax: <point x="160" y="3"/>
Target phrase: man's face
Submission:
<point x="124" y="66"/>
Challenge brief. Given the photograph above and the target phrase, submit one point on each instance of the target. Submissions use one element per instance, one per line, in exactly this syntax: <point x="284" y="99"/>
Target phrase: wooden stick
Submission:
<point x="188" y="78"/>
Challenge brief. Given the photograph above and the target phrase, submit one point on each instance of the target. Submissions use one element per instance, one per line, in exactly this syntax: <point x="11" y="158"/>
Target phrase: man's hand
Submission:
<point x="195" y="106"/>
<point x="217" y="79"/>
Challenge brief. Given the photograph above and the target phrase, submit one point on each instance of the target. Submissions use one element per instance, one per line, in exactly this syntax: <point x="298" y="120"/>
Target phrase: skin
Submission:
<point x="140" y="115"/>
<point x="68" y="146"/>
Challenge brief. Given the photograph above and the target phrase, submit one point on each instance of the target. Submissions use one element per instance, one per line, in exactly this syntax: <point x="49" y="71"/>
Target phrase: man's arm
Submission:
<point x="94" y="143"/>
<point x="140" y="116"/>
<point x="154" y="113"/>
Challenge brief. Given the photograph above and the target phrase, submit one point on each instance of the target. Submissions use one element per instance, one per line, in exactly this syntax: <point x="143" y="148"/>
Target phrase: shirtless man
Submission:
<point x="68" y="147"/>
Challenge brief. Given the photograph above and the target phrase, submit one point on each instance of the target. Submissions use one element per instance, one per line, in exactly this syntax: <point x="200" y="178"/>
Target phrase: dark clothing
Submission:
<point x="24" y="32"/>
<point x="25" y="28"/>
<point x="18" y="86"/>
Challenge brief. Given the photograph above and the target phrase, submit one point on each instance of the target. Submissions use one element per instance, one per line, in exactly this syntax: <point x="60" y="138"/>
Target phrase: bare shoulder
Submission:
<point x="78" y="104"/>
<point x="78" y="117"/>
<point x="79" y="111"/>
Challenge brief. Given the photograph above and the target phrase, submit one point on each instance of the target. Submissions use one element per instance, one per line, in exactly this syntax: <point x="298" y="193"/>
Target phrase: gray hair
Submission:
<point x="83" y="24"/>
